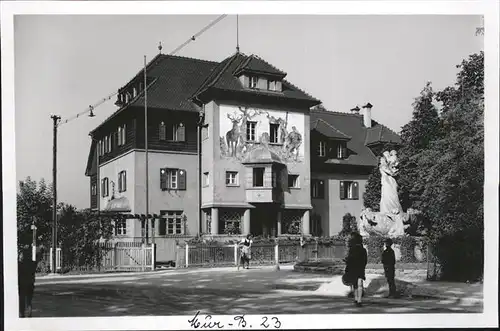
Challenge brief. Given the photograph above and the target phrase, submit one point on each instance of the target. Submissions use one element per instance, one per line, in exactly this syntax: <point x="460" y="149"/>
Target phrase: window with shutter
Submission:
<point x="122" y="181"/>
<point x="105" y="187"/>
<point x="349" y="190"/>
<point x="172" y="179"/>
<point x="318" y="189"/>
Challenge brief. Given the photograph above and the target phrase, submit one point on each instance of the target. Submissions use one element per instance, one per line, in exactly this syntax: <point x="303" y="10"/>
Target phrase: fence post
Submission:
<point x="143" y="251"/>
<point x="316" y="250"/>
<point x="236" y="254"/>
<point x="277" y="257"/>
<point x="187" y="255"/>
<point x="51" y="262"/>
<point x="153" y="256"/>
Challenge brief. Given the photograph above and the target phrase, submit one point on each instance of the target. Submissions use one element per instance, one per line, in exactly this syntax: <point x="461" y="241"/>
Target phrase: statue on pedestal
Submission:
<point x="390" y="221"/>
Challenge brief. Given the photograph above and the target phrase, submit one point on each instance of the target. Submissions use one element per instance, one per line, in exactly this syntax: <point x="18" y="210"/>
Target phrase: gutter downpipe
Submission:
<point x="201" y="119"/>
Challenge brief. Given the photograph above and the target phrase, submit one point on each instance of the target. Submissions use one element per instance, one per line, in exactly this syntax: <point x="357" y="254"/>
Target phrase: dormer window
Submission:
<point x="272" y="85"/>
<point x="341" y="152"/>
<point x="254" y="81"/>
<point x="322" y="149"/>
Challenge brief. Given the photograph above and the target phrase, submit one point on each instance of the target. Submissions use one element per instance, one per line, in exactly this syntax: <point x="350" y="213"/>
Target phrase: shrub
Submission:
<point x="348" y="224"/>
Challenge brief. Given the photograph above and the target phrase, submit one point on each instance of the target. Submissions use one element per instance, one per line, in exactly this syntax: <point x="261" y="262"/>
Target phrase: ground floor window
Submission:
<point x="120" y="227"/>
<point x="231" y="220"/>
<point x="291" y="221"/>
<point x="171" y="222"/>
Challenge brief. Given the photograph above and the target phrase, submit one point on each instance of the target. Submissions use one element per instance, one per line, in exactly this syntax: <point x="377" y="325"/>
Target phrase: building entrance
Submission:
<point x="264" y="219"/>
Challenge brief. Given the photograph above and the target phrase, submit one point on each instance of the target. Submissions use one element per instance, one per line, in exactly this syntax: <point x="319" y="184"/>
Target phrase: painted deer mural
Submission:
<point x="233" y="135"/>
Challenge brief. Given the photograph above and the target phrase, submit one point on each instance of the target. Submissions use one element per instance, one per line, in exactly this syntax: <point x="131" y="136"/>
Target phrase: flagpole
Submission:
<point x="146" y="226"/>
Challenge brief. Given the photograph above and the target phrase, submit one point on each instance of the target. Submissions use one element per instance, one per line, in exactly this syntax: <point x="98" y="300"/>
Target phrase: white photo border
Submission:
<point x="489" y="9"/>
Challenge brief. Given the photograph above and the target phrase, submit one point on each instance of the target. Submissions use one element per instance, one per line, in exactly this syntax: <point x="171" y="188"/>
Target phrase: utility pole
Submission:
<point x="55" y="119"/>
<point x="146" y="152"/>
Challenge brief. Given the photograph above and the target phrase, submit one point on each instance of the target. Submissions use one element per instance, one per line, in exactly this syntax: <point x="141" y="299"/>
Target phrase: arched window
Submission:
<point x="162" y="131"/>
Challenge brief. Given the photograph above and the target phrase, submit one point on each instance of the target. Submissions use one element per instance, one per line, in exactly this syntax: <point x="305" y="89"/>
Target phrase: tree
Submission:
<point x="79" y="233"/>
<point x="416" y="136"/>
<point x="452" y="175"/>
<point x="34" y="206"/>
<point x="371" y="197"/>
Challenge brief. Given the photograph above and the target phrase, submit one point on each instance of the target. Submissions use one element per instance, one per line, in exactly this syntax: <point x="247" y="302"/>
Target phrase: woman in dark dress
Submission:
<point x="355" y="266"/>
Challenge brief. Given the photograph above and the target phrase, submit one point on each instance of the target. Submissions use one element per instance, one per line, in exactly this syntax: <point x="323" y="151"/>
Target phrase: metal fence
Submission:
<point x="206" y="255"/>
<point x="110" y="256"/>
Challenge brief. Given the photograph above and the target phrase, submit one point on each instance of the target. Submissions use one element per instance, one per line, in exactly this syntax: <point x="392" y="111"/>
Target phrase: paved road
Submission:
<point x="254" y="291"/>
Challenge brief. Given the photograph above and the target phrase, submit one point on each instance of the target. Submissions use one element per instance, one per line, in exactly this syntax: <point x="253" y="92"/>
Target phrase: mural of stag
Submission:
<point x="233" y="135"/>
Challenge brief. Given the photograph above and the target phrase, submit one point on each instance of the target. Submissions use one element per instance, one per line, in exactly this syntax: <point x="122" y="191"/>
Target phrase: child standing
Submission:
<point x="389" y="262"/>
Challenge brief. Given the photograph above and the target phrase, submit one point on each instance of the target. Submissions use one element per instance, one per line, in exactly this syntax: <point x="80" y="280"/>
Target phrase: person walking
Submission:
<point x="389" y="262"/>
<point x="246" y="252"/>
<point x="355" y="266"/>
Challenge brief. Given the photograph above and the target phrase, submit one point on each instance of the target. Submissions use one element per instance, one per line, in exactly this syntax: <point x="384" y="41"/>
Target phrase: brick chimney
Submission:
<point x="367" y="115"/>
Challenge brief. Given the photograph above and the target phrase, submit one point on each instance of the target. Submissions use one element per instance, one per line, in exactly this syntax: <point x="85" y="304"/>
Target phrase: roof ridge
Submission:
<point x="295" y="87"/>
<point x="187" y="58"/>
<point x="211" y="81"/>
<point x="333" y="127"/>
<point x="334" y="112"/>
<point x="269" y="64"/>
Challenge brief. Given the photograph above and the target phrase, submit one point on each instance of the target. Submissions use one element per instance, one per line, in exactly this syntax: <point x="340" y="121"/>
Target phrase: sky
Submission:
<point x="65" y="63"/>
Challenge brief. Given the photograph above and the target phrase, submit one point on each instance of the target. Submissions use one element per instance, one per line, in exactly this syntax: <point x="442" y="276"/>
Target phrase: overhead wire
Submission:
<point x="100" y="102"/>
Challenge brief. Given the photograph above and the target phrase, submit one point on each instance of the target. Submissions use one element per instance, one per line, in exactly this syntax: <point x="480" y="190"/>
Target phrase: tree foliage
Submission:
<point x="34" y="206"/>
<point x="416" y="136"/>
<point x="78" y="230"/>
<point x="79" y="233"/>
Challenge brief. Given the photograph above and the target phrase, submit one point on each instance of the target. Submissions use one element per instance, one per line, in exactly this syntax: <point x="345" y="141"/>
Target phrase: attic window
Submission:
<point x="253" y="81"/>
<point x="272" y="85"/>
<point x="341" y="150"/>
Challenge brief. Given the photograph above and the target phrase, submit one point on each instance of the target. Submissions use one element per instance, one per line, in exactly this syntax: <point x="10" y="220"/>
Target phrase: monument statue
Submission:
<point x="390" y="221"/>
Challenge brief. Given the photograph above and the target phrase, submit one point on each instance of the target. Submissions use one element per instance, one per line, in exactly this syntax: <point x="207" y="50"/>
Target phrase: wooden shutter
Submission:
<point x="181" y="179"/>
<point x="342" y="190"/>
<point x="124" y="181"/>
<point x="321" y="189"/>
<point x="163" y="179"/>
<point x="124" y="134"/>
<point x="181" y="132"/>
<point x="355" y="190"/>
<point x="162" y="131"/>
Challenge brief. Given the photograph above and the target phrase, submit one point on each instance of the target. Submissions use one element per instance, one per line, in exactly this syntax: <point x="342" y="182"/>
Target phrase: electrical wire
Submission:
<point x="193" y="38"/>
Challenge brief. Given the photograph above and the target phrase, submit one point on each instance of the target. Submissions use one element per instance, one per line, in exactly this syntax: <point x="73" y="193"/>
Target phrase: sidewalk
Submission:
<point x="376" y="286"/>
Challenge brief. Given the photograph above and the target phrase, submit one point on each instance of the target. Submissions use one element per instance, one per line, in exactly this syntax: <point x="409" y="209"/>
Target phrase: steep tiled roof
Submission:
<point x="352" y="125"/>
<point x="328" y="129"/>
<point x="223" y="78"/>
<point x="177" y="78"/>
<point x="380" y="134"/>
<point x="253" y="63"/>
<point x="91" y="168"/>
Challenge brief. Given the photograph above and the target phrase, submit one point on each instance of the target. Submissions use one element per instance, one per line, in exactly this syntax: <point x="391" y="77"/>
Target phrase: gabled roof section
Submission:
<point x="352" y="125"/>
<point x="177" y="78"/>
<point x="171" y="82"/>
<point x="91" y="168"/>
<point x="254" y="64"/>
<point x="329" y="130"/>
<point x="224" y="78"/>
<point x="381" y="135"/>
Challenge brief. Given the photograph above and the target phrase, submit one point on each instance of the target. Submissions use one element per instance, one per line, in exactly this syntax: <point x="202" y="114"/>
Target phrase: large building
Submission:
<point x="233" y="148"/>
